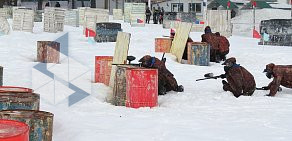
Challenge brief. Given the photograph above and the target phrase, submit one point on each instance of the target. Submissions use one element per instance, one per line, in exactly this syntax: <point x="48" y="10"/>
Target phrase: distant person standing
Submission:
<point x="148" y="14"/>
<point x="57" y="4"/>
<point x="155" y="15"/>
<point x="47" y="4"/>
<point x="161" y="16"/>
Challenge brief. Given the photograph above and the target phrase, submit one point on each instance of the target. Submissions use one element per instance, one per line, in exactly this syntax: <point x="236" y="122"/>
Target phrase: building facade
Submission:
<point x="196" y="6"/>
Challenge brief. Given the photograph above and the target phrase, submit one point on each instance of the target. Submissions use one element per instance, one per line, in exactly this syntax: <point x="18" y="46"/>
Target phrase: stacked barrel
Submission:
<point x="19" y="109"/>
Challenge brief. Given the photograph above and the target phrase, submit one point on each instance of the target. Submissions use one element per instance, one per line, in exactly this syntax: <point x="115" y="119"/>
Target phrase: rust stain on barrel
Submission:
<point x="48" y="51"/>
<point x="18" y="101"/>
<point x="40" y="122"/>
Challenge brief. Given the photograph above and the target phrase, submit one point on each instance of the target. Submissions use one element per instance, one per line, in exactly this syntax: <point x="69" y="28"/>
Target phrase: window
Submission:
<point x="177" y="7"/>
<point x="195" y="7"/>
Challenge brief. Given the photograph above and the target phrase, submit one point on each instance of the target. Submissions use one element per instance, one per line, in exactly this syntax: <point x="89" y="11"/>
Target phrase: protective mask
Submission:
<point x="269" y="74"/>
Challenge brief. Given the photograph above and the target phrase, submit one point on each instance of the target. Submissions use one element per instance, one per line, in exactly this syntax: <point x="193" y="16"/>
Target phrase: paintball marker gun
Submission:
<point x="163" y="59"/>
<point x="266" y="88"/>
<point x="130" y="58"/>
<point x="211" y="76"/>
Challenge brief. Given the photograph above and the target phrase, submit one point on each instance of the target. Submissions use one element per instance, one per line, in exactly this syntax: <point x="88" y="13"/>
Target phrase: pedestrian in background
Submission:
<point x="148" y="15"/>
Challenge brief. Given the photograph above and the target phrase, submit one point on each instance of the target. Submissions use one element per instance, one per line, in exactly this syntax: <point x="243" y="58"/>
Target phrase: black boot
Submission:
<point x="162" y="91"/>
<point x="180" y="88"/>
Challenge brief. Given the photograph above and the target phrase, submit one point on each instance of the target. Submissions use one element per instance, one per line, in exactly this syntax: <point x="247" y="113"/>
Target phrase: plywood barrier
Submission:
<point x="120" y="56"/>
<point x="4" y="26"/>
<point x="72" y="18"/>
<point x="81" y="11"/>
<point x="219" y="21"/>
<point x="138" y="14"/>
<point x="127" y="12"/>
<point x="117" y="14"/>
<point x="4" y="13"/>
<point x="54" y="19"/>
<point x="93" y="16"/>
<point x="23" y="20"/>
<point x="180" y="40"/>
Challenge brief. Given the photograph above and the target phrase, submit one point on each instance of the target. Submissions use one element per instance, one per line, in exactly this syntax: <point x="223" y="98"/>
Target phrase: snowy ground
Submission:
<point x="204" y="112"/>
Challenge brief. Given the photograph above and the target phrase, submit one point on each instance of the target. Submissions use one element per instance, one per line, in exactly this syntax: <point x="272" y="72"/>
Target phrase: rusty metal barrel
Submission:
<point x="40" y="122"/>
<point x="48" y="51"/>
<point x="13" y="89"/>
<point x="199" y="53"/>
<point x="17" y="101"/>
<point x="11" y="130"/>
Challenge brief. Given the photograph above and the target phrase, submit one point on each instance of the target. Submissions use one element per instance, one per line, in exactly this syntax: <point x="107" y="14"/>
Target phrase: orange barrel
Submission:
<point x="40" y="122"/>
<point x="103" y="67"/>
<point x="136" y="87"/>
<point x="17" y="101"/>
<point x="163" y="44"/>
<point x="13" y="89"/>
<point x="11" y="130"/>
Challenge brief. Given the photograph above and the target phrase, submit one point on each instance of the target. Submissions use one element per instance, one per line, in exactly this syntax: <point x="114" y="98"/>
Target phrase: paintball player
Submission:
<point x="239" y="80"/>
<point x="212" y="40"/>
<point x="282" y="75"/>
<point x="166" y="81"/>
<point x="148" y="14"/>
<point x="223" y="46"/>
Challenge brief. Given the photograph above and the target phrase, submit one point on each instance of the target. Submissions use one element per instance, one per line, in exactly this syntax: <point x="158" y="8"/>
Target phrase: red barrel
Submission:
<point x="142" y="87"/>
<point x="11" y="130"/>
<point x="103" y="67"/>
<point x="135" y="87"/>
<point x="12" y="89"/>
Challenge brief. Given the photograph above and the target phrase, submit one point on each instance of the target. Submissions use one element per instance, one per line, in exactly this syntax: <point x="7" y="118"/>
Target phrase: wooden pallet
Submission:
<point x="23" y="20"/>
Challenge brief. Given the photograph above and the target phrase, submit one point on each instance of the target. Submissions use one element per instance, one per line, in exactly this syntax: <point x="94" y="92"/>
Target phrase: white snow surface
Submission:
<point x="203" y="112"/>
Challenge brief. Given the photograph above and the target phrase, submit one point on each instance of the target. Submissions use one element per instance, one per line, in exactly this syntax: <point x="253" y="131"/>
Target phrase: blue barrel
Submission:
<point x="107" y="32"/>
<point x="19" y="101"/>
<point x="40" y="122"/>
<point x="199" y="53"/>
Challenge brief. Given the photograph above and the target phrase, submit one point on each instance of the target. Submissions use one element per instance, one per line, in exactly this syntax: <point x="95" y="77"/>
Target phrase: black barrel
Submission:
<point x="279" y="31"/>
<point x="107" y="32"/>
